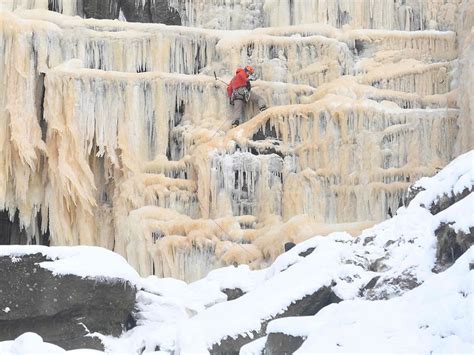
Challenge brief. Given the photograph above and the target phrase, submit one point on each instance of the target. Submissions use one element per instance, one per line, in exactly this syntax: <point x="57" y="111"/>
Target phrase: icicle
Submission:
<point x="228" y="14"/>
<point x="464" y="78"/>
<point x="138" y="135"/>
<point x="383" y="14"/>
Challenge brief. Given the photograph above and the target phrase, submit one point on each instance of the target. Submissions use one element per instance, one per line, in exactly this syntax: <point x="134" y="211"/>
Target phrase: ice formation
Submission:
<point x="116" y="134"/>
<point x="408" y="15"/>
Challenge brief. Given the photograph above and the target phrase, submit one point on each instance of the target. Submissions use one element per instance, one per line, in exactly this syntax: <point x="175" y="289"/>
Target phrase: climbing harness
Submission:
<point x="240" y="94"/>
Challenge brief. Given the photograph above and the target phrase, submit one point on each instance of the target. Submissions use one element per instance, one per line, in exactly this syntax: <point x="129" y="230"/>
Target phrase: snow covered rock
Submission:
<point x="435" y="317"/>
<point x="436" y="225"/>
<point x="308" y="305"/>
<point x="56" y="293"/>
<point x="449" y="198"/>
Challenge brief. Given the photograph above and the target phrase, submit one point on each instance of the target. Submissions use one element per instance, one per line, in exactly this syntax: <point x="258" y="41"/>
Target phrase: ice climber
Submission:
<point x="239" y="92"/>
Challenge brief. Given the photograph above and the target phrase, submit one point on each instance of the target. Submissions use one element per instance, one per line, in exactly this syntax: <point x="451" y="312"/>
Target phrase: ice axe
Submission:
<point x="222" y="81"/>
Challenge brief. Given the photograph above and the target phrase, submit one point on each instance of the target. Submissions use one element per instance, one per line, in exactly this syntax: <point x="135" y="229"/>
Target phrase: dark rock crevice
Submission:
<point x="10" y="231"/>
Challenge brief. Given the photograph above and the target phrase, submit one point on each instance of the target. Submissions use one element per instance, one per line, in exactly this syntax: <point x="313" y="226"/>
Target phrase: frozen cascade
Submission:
<point x="250" y="182"/>
<point x="221" y="14"/>
<point x="116" y="134"/>
<point x="407" y="15"/>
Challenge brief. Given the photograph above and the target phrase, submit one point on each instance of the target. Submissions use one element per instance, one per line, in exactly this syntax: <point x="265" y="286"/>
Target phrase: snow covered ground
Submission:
<point x="408" y="308"/>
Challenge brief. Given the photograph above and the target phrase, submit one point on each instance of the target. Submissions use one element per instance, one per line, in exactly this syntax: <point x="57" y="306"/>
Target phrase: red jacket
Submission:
<point x="239" y="80"/>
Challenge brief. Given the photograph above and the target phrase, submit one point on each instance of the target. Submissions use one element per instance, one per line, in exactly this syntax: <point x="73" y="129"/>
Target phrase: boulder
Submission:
<point x="63" y="310"/>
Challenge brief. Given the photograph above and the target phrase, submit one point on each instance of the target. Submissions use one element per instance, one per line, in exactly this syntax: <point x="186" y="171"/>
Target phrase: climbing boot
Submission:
<point x="235" y="124"/>
<point x="263" y="108"/>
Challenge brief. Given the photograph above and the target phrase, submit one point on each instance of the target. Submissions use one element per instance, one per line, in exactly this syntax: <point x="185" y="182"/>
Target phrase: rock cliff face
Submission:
<point x="64" y="310"/>
<point x="117" y="134"/>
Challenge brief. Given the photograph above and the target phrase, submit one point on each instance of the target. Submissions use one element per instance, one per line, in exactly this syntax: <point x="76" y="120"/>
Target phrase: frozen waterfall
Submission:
<point x="117" y="134"/>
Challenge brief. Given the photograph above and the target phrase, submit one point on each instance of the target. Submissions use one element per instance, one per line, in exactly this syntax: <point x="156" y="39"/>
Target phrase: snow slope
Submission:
<point x="436" y="317"/>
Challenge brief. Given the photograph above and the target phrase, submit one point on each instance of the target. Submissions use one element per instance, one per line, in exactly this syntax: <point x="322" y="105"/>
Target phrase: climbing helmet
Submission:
<point x="249" y="69"/>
